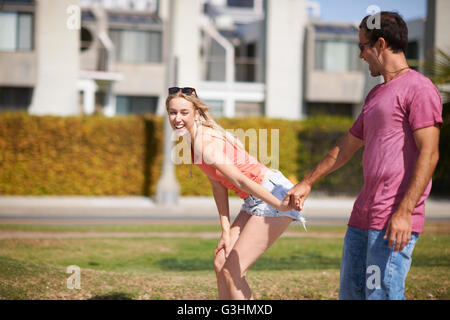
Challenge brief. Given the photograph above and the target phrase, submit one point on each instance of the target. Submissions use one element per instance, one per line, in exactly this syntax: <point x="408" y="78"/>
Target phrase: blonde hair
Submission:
<point x="205" y="117"/>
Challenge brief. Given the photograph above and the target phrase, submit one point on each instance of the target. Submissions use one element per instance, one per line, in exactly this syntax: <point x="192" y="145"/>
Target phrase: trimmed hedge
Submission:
<point x="95" y="155"/>
<point x="78" y="155"/>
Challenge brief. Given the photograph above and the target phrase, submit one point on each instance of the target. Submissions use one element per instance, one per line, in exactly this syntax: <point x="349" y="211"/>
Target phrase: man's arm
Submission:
<point x="335" y="158"/>
<point x="399" y="226"/>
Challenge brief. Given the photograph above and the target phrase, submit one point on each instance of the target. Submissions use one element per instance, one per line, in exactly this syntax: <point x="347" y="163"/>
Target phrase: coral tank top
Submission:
<point x="236" y="155"/>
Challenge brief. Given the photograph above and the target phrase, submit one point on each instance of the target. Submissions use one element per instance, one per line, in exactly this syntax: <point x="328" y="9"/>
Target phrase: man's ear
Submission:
<point x="382" y="45"/>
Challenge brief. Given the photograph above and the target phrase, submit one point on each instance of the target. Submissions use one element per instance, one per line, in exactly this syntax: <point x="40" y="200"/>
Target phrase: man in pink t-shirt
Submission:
<point x="399" y="129"/>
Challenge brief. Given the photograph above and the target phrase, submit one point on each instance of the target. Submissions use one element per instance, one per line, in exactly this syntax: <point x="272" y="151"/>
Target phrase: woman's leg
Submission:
<point x="257" y="236"/>
<point x="219" y="260"/>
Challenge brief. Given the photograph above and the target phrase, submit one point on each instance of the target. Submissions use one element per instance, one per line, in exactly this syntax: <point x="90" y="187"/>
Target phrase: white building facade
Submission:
<point x="244" y="57"/>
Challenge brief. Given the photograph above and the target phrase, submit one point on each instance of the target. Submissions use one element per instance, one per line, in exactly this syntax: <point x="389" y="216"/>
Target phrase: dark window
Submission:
<point x="17" y="2"/>
<point x="135" y="105"/>
<point x="413" y="50"/>
<point x="412" y="54"/>
<point x="15" y="98"/>
<point x="247" y="63"/>
<point x="240" y="3"/>
<point x="85" y="38"/>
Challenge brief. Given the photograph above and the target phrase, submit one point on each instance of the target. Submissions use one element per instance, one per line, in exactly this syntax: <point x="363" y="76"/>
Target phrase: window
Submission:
<point x="135" y="105"/>
<point x="412" y="54"/>
<point x="247" y="63"/>
<point x="15" y="98"/>
<point x="16" y="31"/>
<point x="248" y="109"/>
<point x="240" y="3"/>
<point x="216" y="107"/>
<point x="137" y="46"/>
<point x="336" y="56"/>
<point x="215" y="62"/>
<point x="86" y="38"/>
<point x="413" y="50"/>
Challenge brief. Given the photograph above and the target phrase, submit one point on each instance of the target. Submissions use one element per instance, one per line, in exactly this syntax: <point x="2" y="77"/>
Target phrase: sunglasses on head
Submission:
<point x="185" y="90"/>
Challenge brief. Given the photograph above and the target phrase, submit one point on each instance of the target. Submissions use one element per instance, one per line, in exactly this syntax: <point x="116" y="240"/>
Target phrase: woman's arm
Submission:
<point x="212" y="152"/>
<point x="242" y="182"/>
<point x="221" y="199"/>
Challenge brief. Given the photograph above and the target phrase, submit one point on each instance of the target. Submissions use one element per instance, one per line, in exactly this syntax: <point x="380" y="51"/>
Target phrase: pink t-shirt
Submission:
<point x="391" y="112"/>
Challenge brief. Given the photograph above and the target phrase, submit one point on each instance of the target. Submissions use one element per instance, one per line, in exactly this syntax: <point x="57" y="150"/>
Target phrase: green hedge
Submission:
<point x="95" y="155"/>
<point x="78" y="155"/>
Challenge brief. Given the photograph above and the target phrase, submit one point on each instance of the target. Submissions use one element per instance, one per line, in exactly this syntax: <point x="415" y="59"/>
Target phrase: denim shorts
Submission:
<point x="278" y="185"/>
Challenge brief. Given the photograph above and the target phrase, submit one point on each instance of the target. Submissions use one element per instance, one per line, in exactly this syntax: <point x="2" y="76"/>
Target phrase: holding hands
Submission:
<point x="295" y="198"/>
<point x="297" y="195"/>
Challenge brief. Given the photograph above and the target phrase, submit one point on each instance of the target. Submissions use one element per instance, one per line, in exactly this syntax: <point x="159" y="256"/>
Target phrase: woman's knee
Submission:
<point x="232" y="269"/>
<point x="219" y="261"/>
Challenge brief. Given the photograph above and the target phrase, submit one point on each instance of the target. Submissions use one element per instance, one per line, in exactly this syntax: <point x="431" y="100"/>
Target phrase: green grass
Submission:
<point x="114" y="228"/>
<point x="159" y="267"/>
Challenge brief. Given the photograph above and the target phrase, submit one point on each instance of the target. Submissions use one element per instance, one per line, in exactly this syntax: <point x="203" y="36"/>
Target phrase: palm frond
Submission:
<point x="438" y="70"/>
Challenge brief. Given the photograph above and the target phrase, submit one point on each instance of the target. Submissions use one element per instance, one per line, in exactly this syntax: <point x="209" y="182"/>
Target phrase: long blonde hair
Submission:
<point x="205" y="117"/>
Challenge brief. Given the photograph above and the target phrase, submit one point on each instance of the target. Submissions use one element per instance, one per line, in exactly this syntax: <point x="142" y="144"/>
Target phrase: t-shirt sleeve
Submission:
<point x="358" y="127"/>
<point x="425" y="109"/>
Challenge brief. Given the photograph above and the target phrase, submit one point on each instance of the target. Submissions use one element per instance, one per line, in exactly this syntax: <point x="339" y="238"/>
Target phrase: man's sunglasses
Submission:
<point x="362" y="45"/>
<point x="185" y="90"/>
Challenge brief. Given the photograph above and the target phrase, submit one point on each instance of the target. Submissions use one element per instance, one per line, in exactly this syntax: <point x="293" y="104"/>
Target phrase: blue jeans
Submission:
<point x="370" y="269"/>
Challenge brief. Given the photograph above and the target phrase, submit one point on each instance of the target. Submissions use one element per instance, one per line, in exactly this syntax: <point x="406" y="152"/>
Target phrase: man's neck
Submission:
<point x="395" y="66"/>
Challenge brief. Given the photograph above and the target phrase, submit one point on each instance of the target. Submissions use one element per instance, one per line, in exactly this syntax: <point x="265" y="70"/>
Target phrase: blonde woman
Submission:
<point x="265" y="214"/>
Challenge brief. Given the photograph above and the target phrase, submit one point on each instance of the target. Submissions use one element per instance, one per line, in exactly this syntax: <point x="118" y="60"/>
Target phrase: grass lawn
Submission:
<point x="175" y="261"/>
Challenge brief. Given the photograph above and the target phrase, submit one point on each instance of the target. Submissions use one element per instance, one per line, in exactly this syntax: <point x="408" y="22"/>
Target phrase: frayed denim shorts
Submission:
<point x="278" y="185"/>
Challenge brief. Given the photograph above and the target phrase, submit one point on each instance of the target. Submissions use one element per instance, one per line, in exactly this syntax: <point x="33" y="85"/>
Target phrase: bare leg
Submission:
<point x="219" y="260"/>
<point x="257" y="236"/>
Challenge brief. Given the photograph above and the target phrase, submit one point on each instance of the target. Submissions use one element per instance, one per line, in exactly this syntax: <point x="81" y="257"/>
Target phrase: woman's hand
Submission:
<point x="224" y="243"/>
<point x="285" y="204"/>
<point x="298" y="195"/>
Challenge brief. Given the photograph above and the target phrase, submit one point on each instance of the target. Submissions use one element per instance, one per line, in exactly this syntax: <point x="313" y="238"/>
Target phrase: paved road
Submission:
<point x="96" y="210"/>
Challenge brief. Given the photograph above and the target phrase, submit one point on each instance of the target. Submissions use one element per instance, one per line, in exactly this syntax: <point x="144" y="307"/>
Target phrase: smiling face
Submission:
<point x="182" y="116"/>
<point x="369" y="55"/>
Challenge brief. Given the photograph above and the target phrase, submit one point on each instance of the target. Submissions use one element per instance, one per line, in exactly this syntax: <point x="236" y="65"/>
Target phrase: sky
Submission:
<point x="355" y="10"/>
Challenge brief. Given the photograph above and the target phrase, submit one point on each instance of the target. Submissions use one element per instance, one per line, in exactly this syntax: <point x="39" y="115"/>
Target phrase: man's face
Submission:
<point x="369" y="54"/>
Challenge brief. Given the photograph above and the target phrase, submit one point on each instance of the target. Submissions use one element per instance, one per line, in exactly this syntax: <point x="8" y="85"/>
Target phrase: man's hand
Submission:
<point x="298" y="195"/>
<point x="399" y="226"/>
<point x="399" y="230"/>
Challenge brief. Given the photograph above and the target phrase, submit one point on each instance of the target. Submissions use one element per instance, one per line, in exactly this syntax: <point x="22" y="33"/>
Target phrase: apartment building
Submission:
<point x="245" y="57"/>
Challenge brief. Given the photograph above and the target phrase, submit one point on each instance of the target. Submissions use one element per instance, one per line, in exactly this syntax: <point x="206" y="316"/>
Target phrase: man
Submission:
<point x="399" y="127"/>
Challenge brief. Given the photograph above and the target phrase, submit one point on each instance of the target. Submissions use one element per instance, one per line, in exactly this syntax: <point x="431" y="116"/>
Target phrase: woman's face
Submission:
<point x="181" y="116"/>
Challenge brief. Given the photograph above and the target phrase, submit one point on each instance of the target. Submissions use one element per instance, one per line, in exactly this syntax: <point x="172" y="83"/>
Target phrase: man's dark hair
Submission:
<point x="392" y="29"/>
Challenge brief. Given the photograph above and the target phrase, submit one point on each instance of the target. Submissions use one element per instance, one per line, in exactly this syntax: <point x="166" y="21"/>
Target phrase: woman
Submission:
<point x="265" y="214"/>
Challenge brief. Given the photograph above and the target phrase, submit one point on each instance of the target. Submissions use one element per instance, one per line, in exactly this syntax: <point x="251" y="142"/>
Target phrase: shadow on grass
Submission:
<point x="113" y="296"/>
<point x="294" y="262"/>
